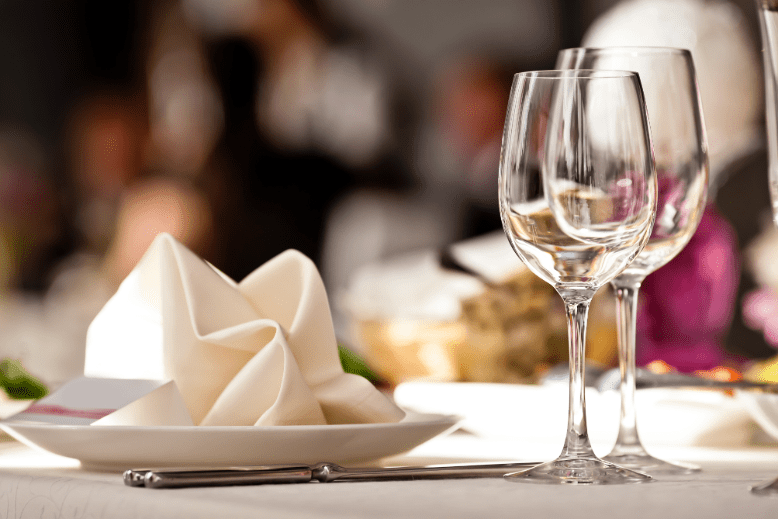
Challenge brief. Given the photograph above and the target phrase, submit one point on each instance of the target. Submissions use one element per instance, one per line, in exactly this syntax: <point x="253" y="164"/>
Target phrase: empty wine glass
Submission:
<point x="680" y="151"/>
<point x="577" y="191"/>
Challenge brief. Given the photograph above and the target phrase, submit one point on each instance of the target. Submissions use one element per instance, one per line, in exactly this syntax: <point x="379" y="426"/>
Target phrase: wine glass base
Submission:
<point x="766" y="489"/>
<point x="579" y="471"/>
<point x="651" y="465"/>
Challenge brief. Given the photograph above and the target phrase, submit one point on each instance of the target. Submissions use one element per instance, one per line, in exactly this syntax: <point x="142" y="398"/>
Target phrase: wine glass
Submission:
<point x="680" y="151"/>
<point x="577" y="191"/>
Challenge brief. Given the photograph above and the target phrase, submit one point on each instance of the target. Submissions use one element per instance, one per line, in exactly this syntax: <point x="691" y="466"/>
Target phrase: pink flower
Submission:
<point x="760" y="312"/>
<point x="686" y="306"/>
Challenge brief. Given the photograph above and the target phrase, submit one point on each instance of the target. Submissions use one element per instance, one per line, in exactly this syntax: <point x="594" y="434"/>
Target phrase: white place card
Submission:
<point x="108" y="401"/>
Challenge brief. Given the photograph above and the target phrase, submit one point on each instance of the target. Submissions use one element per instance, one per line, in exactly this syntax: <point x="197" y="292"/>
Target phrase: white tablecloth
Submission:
<point x="41" y="485"/>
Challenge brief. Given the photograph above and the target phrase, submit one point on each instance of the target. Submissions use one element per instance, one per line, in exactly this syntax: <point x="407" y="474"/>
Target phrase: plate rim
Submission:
<point x="71" y="440"/>
<point x="418" y="419"/>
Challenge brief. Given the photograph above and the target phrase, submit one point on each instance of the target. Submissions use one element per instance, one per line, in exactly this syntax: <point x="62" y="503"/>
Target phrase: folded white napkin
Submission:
<point x="259" y="352"/>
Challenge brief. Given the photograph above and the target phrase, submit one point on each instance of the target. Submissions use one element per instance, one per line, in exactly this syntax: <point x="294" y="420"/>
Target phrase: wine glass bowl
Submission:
<point x="577" y="191"/>
<point x="581" y="221"/>
<point x="680" y="151"/>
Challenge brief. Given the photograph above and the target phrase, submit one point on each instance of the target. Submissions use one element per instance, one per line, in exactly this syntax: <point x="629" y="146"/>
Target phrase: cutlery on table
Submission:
<point x="322" y="472"/>
<point x="645" y="379"/>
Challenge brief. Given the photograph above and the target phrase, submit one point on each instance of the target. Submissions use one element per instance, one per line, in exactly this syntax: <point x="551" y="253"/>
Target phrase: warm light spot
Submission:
<point x="720" y="373"/>
<point x="659" y="366"/>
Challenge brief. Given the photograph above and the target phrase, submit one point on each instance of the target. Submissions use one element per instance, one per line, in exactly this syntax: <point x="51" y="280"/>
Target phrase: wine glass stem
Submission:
<point x="627" y="441"/>
<point x="577" y="444"/>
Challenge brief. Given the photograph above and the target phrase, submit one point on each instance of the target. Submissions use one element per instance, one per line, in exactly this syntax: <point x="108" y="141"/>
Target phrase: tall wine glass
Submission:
<point x="680" y="150"/>
<point x="577" y="190"/>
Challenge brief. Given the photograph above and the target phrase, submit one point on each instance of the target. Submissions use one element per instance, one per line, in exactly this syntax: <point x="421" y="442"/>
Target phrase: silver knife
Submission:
<point x="323" y="472"/>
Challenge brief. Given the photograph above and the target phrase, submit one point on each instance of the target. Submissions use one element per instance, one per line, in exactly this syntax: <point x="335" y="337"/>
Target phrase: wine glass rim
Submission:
<point x="636" y="49"/>
<point x="576" y="73"/>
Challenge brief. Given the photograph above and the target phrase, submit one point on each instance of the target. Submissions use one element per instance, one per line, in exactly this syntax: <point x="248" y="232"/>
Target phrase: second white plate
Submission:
<point x="530" y="413"/>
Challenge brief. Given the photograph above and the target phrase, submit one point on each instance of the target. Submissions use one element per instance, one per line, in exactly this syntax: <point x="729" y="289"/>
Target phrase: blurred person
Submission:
<point x="690" y="312"/>
<point x="314" y="93"/>
<point x="30" y="212"/>
<point x="107" y="137"/>
<point x="459" y="141"/>
<point x="265" y="199"/>
<point x="303" y="120"/>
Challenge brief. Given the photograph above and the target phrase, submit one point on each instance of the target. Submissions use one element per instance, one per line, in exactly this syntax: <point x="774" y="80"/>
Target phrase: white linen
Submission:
<point x="35" y="484"/>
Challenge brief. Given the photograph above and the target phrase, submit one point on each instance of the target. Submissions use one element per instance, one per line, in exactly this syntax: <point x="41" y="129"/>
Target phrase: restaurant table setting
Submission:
<point x="114" y="424"/>
<point x="237" y="389"/>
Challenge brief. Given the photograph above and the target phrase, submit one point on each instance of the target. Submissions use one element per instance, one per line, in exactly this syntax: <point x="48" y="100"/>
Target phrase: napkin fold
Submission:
<point x="259" y="352"/>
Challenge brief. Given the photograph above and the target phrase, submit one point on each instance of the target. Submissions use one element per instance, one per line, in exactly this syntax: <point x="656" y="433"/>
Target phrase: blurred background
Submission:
<point x="356" y="131"/>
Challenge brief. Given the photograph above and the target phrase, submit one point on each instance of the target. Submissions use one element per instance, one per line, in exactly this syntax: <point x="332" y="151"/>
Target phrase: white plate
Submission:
<point x="122" y="447"/>
<point x="763" y="408"/>
<point x="538" y="413"/>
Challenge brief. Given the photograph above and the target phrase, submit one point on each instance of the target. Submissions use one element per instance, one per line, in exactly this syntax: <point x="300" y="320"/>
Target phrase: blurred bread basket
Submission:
<point x="413" y="318"/>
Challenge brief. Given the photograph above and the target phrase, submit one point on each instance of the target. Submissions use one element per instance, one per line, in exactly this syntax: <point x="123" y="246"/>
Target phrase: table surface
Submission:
<point x="38" y="484"/>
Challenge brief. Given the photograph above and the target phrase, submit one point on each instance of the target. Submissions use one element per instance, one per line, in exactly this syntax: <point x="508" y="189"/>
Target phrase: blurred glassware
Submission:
<point x="577" y="189"/>
<point x="680" y="151"/>
<point x="768" y="17"/>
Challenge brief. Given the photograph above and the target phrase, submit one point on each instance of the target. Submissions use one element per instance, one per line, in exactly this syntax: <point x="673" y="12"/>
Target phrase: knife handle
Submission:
<point x="135" y="477"/>
<point x="181" y="478"/>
